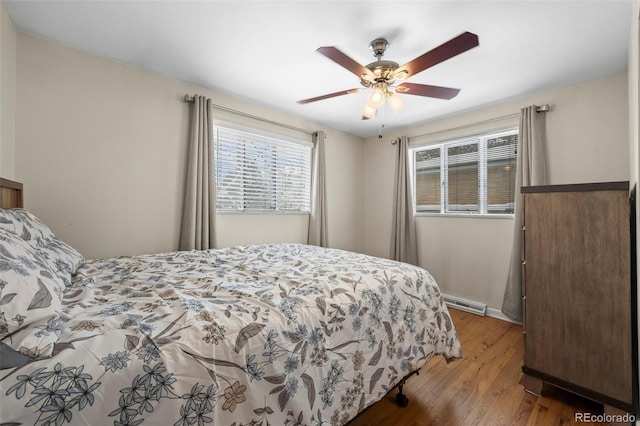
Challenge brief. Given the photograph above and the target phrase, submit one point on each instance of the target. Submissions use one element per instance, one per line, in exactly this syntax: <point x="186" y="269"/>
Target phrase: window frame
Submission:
<point x="479" y="138"/>
<point x="280" y="138"/>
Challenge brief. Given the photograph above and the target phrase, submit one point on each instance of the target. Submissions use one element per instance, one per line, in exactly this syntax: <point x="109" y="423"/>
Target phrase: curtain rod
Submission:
<point x="541" y="108"/>
<point x="188" y="98"/>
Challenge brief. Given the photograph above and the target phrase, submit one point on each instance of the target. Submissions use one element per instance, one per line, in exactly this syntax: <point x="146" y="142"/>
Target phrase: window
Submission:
<point x="474" y="175"/>
<point x="261" y="173"/>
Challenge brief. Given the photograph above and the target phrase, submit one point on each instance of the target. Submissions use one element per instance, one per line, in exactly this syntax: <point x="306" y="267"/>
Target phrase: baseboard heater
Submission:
<point x="465" y="305"/>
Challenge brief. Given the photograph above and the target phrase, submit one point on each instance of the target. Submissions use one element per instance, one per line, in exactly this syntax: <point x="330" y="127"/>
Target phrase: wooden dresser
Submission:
<point x="580" y="315"/>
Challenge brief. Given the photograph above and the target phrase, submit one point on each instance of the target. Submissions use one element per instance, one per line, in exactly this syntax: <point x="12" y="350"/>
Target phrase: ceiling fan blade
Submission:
<point x="427" y="90"/>
<point x="327" y="96"/>
<point x="343" y="60"/>
<point x="453" y="47"/>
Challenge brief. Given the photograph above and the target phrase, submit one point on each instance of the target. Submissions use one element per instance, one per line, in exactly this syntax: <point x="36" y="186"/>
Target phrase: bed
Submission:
<point x="281" y="334"/>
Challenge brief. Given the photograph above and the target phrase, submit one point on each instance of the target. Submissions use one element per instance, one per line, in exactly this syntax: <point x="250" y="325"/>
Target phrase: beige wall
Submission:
<point x="101" y="149"/>
<point x="587" y="132"/>
<point x="7" y="93"/>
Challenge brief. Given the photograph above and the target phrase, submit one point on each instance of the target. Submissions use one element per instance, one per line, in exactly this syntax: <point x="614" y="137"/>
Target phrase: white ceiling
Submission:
<point x="265" y="50"/>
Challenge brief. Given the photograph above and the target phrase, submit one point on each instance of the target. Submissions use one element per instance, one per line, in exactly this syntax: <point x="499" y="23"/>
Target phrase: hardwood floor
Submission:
<point x="482" y="389"/>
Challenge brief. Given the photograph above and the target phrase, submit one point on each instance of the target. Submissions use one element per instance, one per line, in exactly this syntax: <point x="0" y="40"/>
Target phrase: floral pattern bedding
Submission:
<point x="281" y="334"/>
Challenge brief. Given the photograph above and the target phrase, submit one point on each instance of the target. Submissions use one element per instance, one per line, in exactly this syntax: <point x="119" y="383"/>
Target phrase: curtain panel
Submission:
<point x="317" y="234"/>
<point x="531" y="170"/>
<point x="404" y="245"/>
<point x="199" y="208"/>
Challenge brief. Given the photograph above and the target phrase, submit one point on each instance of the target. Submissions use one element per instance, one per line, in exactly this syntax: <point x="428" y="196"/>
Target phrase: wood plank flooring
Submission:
<point x="481" y="389"/>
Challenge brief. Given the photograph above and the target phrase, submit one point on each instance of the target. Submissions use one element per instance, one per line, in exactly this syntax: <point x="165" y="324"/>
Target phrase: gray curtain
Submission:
<point x="531" y="170"/>
<point x="317" y="235"/>
<point x="199" y="208"/>
<point x="404" y="245"/>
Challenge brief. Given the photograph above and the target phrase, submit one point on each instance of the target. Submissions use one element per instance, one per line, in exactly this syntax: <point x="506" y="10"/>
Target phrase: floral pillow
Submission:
<point x="30" y="298"/>
<point x="63" y="259"/>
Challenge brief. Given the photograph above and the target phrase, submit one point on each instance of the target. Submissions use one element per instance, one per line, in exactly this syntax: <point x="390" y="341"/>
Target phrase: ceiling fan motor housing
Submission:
<point x="383" y="71"/>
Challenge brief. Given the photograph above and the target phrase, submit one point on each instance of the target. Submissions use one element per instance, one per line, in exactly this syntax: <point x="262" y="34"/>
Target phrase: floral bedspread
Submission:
<point x="281" y="334"/>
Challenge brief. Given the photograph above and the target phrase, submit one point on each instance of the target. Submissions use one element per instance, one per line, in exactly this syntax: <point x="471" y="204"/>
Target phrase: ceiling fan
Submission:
<point x="385" y="78"/>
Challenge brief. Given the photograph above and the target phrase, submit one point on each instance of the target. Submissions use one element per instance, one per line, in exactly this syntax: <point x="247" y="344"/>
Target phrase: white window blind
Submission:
<point x="463" y="183"/>
<point x="261" y="173"/>
<point x="500" y="178"/>
<point x="427" y="180"/>
<point x="474" y="175"/>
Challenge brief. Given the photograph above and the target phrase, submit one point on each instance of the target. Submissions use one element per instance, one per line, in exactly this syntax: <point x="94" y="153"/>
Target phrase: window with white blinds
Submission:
<point x="258" y="173"/>
<point x="474" y="175"/>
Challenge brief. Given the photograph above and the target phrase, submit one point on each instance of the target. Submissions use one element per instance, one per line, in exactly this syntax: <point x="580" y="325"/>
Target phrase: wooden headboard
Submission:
<point x="10" y="194"/>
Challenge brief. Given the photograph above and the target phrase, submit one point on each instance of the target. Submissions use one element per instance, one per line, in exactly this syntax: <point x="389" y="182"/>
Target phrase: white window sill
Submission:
<point x="261" y="212"/>
<point x="465" y="215"/>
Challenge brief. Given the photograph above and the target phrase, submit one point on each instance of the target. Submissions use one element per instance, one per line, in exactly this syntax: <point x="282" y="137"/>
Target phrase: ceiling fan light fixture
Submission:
<point x="368" y="111"/>
<point x="395" y="102"/>
<point x="376" y="98"/>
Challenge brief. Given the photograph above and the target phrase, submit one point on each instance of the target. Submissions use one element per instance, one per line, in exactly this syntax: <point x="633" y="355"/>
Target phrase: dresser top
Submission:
<point x="598" y="186"/>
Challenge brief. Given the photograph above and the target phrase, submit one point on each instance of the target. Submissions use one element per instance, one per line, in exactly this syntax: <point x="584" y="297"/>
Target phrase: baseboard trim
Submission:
<point x="476" y="308"/>
<point x="465" y="305"/>
<point x="497" y="314"/>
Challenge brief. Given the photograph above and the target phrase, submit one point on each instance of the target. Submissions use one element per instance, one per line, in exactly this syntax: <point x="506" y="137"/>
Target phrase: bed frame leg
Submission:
<point x="401" y="398"/>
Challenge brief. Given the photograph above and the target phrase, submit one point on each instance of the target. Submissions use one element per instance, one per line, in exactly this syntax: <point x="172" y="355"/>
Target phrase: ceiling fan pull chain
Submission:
<point x="380" y="116"/>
